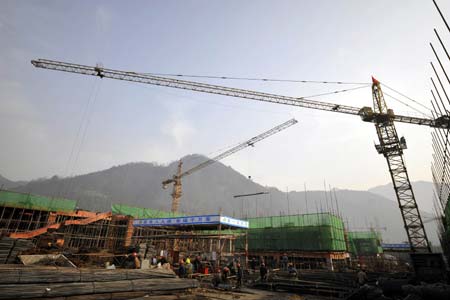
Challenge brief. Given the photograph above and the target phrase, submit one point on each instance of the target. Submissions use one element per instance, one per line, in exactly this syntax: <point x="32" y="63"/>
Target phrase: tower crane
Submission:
<point x="176" y="179"/>
<point x="390" y="146"/>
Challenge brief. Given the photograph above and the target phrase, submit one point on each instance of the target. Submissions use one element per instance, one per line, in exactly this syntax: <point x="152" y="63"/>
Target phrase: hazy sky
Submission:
<point x="61" y="123"/>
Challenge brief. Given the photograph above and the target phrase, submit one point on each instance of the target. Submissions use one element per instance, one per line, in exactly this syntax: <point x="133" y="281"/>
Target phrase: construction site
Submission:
<point x="52" y="247"/>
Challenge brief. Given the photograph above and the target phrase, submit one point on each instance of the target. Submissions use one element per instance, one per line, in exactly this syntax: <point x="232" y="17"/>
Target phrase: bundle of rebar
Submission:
<point x="10" y="248"/>
<point x="20" y="282"/>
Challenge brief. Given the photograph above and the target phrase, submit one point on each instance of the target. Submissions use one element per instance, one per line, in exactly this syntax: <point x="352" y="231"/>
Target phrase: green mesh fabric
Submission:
<point x="141" y="213"/>
<point x="365" y="242"/>
<point x="323" y="219"/>
<point x="28" y="201"/>
<point x="310" y="232"/>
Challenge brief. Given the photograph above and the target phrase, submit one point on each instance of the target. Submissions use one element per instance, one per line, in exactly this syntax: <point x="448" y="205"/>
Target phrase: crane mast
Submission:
<point x="390" y="145"/>
<point x="176" y="179"/>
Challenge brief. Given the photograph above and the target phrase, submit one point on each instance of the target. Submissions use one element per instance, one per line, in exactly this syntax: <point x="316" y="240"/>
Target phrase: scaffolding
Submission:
<point x="52" y="222"/>
<point x="307" y="232"/>
<point x="211" y="237"/>
<point x="35" y="202"/>
<point x="365" y="243"/>
<point x="140" y="212"/>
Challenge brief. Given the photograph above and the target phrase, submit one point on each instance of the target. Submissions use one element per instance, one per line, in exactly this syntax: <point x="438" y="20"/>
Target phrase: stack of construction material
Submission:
<point x="312" y="287"/>
<point x="23" y="282"/>
<point x="347" y="279"/>
<point x="324" y="283"/>
<point x="10" y="248"/>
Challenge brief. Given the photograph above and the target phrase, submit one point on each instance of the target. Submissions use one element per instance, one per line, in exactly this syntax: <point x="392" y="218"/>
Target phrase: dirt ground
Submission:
<point x="252" y="294"/>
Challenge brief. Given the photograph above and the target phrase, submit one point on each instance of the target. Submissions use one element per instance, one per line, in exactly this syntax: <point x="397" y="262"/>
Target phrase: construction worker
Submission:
<point x="163" y="260"/>
<point x="263" y="272"/>
<point x="225" y="274"/>
<point x="239" y="274"/>
<point x="197" y="263"/>
<point x="137" y="262"/>
<point x="182" y="270"/>
<point x="232" y="268"/>
<point x="284" y="262"/>
<point x="253" y="264"/>
<point x="189" y="267"/>
<point x="292" y="270"/>
<point x="362" y="277"/>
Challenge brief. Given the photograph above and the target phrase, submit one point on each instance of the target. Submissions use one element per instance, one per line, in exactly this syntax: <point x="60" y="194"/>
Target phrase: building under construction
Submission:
<point x="26" y="216"/>
<point x="309" y="241"/>
<point x="56" y="223"/>
<point x="178" y="236"/>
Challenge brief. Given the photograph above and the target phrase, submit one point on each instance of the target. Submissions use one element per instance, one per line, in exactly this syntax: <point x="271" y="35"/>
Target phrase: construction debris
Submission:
<point x="46" y="260"/>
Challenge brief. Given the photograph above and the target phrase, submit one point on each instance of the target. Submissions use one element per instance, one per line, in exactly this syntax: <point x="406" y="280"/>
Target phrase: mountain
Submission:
<point x="5" y="183"/>
<point x="212" y="189"/>
<point x="423" y="191"/>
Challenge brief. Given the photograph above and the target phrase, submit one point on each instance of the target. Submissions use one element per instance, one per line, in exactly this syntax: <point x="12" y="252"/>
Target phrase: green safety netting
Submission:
<point x="310" y="232"/>
<point x="365" y="242"/>
<point x="322" y="219"/>
<point x="141" y="213"/>
<point x="28" y="201"/>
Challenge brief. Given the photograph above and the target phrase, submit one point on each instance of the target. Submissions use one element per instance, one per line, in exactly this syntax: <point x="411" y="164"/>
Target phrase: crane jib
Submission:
<point x="364" y="113"/>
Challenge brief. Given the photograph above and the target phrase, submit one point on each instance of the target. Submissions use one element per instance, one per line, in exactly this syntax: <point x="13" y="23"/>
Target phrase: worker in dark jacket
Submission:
<point x="253" y="264"/>
<point x="182" y="270"/>
<point x="225" y="274"/>
<point x="197" y="263"/>
<point x="239" y="274"/>
<point x="292" y="270"/>
<point x="263" y="272"/>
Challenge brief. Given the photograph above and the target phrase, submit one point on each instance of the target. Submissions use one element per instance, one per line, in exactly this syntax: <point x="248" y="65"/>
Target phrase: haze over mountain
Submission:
<point x="5" y="183"/>
<point x="423" y="191"/>
<point x="211" y="190"/>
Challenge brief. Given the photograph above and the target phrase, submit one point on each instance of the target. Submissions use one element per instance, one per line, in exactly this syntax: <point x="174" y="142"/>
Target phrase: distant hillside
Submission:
<point x="212" y="189"/>
<point x="5" y="183"/>
<point x="423" y="191"/>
